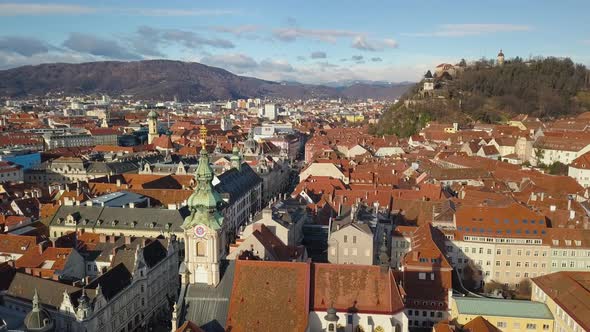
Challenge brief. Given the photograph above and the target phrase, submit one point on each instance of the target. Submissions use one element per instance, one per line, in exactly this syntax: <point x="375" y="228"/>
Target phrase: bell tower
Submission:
<point x="152" y="119"/>
<point x="500" y="58"/>
<point x="203" y="228"/>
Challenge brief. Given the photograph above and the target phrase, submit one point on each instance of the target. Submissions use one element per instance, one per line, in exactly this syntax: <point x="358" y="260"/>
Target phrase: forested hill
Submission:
<point x="485" y="92"/>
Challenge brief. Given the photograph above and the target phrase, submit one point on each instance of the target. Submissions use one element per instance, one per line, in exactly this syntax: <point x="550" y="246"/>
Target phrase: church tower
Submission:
<point x="500" y="58"/>
<point x="236" y="160"/>
<point x="152" y="119"/>
<point x="203" y="228"/>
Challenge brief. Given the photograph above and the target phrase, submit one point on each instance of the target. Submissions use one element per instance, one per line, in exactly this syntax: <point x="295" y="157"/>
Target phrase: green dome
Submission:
<point x="203" y="202"/>
<point x="38" y="319"/>
<point x="152" y="115"/>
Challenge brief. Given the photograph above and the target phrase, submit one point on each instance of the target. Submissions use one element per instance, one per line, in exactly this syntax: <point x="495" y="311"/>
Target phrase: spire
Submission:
<point x="383" y="256"/>
<point x="236" y="160"/>
<point x="36" y="302"/>
<point x="203" y="134"/>
<point x="204" y="201"/>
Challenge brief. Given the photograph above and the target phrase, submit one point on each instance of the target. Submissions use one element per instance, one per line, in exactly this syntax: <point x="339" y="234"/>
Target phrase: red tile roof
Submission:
<point x="571" y="291"/>
<point x="269" y="296"/>
<point x="375" y="290"/>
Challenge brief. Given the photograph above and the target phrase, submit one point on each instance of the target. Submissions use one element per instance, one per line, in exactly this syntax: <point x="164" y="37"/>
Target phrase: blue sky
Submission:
<point x="308" y="41"/>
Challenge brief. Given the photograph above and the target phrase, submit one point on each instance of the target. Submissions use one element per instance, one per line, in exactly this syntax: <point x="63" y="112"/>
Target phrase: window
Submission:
<point x="201" y="248"/>
<point x="531" y="326"/>
<point x="354" y="239"/>
<point x="345" y="251"/>
<point x="349" y="319"/>
<point x="545" y="327"/>
<point x="498" y="251"/>
<point x="345" y="238"/>
<point x="422" y="276"/>
<point x="501" y="324"/>
<point x="489" y="251"/>
<point x="497" y="263"/>
<point x="354" y="253"/>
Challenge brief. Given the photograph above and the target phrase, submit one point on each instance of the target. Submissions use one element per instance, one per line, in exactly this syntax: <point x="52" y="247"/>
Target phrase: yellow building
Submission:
<point x="506" y="315"/>
<point x="354" y="118"/>
<point x="567" y="295"/>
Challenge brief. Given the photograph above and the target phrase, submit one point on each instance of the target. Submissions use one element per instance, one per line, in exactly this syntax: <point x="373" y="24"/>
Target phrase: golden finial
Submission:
<point x="203" y="132"/>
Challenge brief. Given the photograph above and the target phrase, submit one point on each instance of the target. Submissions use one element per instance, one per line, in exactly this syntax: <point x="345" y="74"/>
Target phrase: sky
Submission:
<point x="309" y="41"/>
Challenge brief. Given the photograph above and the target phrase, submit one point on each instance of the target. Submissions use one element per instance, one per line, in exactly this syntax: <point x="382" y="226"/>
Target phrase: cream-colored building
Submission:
<point x="506" y="315"/>
<point x="567" y="296"/>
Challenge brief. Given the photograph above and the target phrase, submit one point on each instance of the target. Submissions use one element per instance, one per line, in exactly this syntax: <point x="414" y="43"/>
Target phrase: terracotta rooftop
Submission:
<point x="375" y="290"/>
<point x="571" y="291"/>
<point x="269" y="296"/>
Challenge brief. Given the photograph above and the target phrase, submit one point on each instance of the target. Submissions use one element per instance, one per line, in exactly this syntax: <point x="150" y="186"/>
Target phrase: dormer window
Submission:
<point x="555" y="242"/>
<point x="70" y="220"/>
<point x="568" y="242"/>
<point x="578" y="243"/>
<point x="114" y="223"/>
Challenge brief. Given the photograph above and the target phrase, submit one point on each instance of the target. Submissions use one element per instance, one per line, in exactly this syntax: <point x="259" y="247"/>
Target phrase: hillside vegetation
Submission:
<point x="544" y="87"/>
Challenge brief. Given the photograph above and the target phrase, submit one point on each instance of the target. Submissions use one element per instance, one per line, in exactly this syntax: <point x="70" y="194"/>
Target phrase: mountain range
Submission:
<point x="166" y="79"/>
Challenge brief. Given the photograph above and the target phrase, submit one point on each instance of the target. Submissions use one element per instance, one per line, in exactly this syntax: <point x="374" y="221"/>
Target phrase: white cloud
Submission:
<point x="293" y="33"/>
<point x="246" y="30"/>
<point x="28" y="9"/>
<point x="470" y="29"/>
<point x="179" y="12"/>
<point x="11" y="60"/>
<point x="318" y="55"/>
<point x="235" y="62"/>
<point x="15" y="9"/>
<point x="364" y="44"/>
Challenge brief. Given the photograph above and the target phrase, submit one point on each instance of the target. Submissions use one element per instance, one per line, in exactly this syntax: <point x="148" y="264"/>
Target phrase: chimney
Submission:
<point x="542" y="196"/>
<point x="112" y="239"/>
<point x="118" y="183"/>
<point x="569" y="204"/>
<point x="572" y="214"/>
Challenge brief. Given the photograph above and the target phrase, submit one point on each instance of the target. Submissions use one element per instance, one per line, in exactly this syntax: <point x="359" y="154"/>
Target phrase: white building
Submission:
<point x="127" y="297"/>
<point x="549" y="149"/>
<point x="579" y="169"/>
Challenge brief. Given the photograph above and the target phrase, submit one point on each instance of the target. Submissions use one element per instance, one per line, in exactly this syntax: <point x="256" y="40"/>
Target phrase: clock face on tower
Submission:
<point x="200" y="231"/>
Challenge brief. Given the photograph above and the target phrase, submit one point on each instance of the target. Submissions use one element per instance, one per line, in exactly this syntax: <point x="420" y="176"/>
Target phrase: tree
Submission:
<point x="524" y="290"/>
<point x="557" y="168"/>
<point x="494" y="288"/>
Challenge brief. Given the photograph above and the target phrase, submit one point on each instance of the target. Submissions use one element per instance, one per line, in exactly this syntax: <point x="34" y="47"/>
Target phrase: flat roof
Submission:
<point x="502" y="307"/>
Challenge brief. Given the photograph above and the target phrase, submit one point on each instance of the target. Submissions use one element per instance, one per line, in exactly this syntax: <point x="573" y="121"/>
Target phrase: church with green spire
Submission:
<point x="204" y="231"/>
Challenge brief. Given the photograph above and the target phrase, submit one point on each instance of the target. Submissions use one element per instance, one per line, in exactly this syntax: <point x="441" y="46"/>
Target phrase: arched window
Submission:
<point x="201" y="250"/>
<point x="331" y="327"/>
